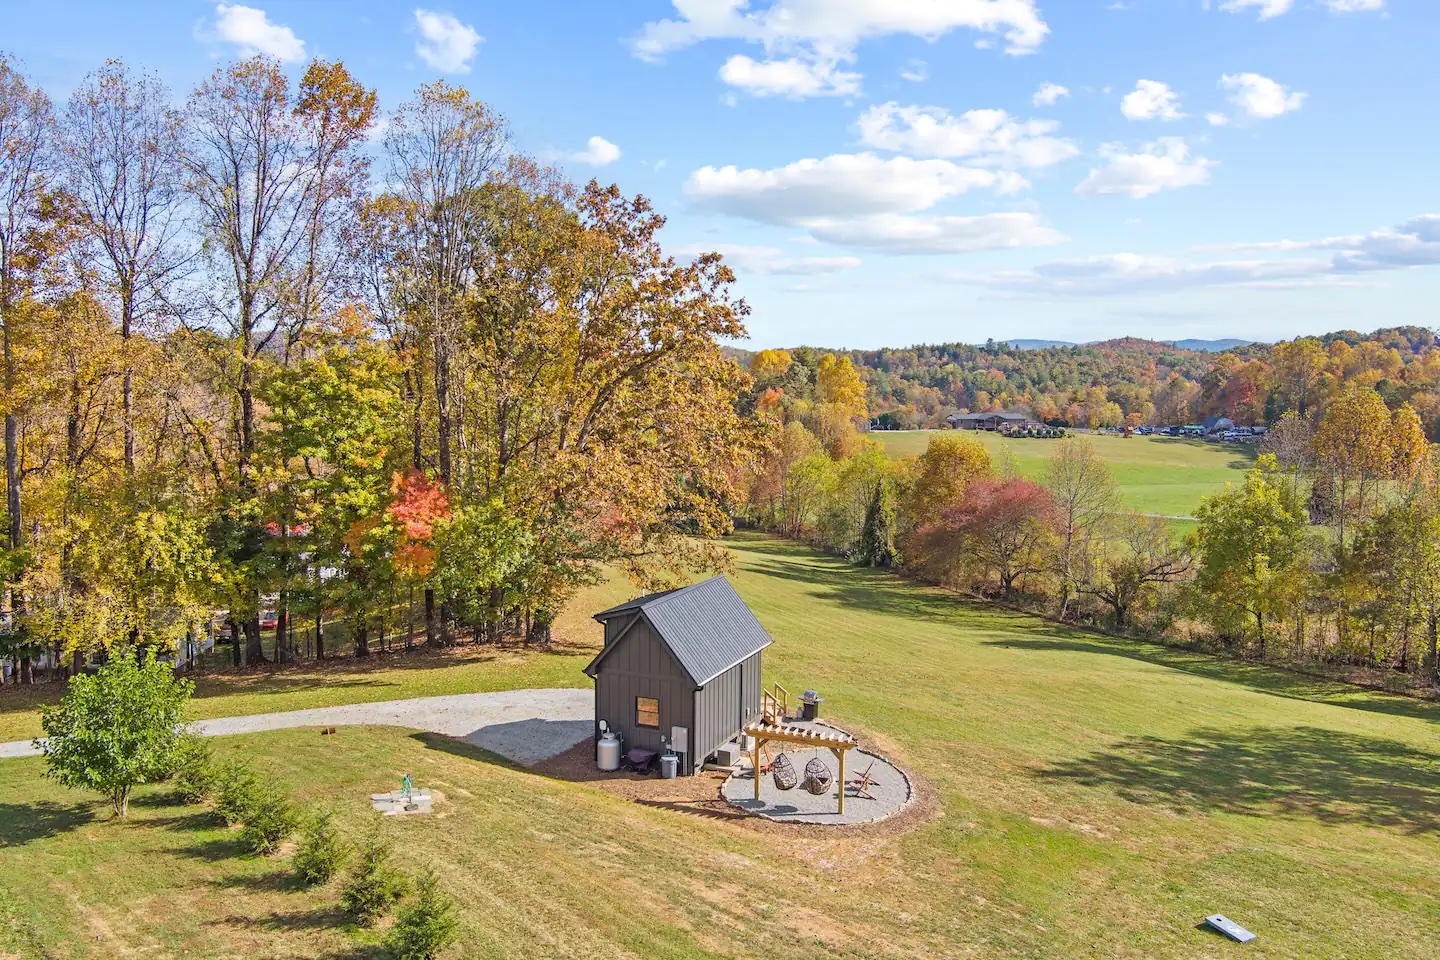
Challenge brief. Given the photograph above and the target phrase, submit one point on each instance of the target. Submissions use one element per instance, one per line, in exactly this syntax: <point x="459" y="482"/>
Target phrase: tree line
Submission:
<point x="268" y="347"/>
<point x="1328" y="552"/>
<point x="1134" y="382"/>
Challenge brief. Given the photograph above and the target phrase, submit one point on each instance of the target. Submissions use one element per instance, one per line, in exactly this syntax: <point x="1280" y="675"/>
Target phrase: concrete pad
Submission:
<point x="890" y="791"/>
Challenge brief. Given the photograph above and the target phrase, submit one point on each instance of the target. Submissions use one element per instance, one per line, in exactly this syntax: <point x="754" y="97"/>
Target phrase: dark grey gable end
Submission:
<point x="706" y="626"/>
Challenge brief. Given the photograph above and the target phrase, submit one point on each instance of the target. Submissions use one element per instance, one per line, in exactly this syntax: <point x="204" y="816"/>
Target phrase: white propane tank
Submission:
<point x="607" y="751"/>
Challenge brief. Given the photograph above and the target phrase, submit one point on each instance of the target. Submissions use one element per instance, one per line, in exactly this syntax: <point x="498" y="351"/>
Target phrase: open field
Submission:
<point x="1157" y="475"/>
<point x="1092" y="798"/>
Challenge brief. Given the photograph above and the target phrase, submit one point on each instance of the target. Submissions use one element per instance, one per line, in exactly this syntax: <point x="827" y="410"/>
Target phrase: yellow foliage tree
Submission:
<point x="942" y="473"/>
<point x="770" y="363"/>
<point x="840" y="385"/>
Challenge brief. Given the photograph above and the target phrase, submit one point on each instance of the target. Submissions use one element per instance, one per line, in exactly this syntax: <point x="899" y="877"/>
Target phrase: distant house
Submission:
<point x="680" y="669"/>
<point x="988" y="421"/>
<point x="1217" y="424"/>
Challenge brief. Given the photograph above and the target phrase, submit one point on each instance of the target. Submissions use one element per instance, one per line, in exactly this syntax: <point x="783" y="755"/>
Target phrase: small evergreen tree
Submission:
<point x="322" y="851"/>
<point x="118" y="728"/>
<point x="427" y="925"/>
<point x="194" y="772"/>
<point x="236" y="787"/>
<point x="877" y="536"/>
<point x="269" y="817"/>
<point x="374" y="885"/>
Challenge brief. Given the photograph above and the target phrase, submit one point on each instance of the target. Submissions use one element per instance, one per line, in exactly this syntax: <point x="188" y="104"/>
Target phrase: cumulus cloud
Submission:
<point x="990" y="137"/>
<point x="1151" y="100"/>
<point x="1260" y="97"/>
<point x="836" y="27"/>
<point x="445" y="43"/>
<point x="1049" y="94"/>
<point x="922" y="234"/>
<point x="769" y="260"/>
<point x="1354" y="6"/>
<point x="598" y="152"/>
<point x="867" y="202"/>
<point x="1410" y="245"/>
<point x="1165" y="164"/>
<point x="250" y="29"/>
<point x="1217" y="119"/>
<point x="791" y="77"/>
<point x="840" y="186"/>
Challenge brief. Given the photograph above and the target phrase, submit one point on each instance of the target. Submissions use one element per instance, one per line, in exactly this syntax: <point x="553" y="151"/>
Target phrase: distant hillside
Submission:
<point x="1210" y="346"/>
<point x="1205" y="346"/>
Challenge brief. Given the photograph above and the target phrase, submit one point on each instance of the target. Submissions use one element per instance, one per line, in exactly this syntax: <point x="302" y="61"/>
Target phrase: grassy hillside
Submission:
<point x="1093" y="799"/>
<point x="1160" y="475"/>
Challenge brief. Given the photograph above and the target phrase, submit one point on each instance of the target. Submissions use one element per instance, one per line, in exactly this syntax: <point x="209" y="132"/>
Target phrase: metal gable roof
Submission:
<point x="707" y="626"/>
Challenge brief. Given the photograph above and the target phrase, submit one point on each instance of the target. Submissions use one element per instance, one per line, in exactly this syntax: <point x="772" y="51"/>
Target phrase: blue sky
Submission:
<point x="889" y="172"/>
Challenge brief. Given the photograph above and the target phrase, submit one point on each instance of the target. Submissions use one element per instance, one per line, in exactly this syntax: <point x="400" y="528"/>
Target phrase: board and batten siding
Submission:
<point x="723" y="707"/>
<point x="641" y="666"/>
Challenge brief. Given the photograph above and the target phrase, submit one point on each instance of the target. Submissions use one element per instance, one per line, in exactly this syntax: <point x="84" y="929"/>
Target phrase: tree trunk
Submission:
<point x="120" y="801"/>
<point x="234" y="643"/>
<point x="362" y="640"/>
<point x="254" y="641"/>
<point x="282" y="625"/>
<point x="319" y="636"/>
<point x="430" y="638"/>
<point x="27" y="669"/>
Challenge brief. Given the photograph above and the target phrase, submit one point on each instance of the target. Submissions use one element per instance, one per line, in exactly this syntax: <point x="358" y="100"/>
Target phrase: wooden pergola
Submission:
<point x="832" y="740"/>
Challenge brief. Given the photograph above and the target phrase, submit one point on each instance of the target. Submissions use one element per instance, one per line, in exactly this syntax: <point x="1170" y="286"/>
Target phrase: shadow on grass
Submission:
<point x="323" y="918"/>
<point x="1257" y="677"/>
<point x="1332" y="777"/>
<point x="21" y="823"/>
<point x="278" y="881"/>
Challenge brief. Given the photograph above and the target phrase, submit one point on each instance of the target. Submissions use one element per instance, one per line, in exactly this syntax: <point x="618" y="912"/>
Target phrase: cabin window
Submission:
<point x="647" y="712"/>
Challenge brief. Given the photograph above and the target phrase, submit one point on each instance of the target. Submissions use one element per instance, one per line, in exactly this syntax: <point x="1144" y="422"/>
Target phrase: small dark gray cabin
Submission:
<point x="683" y="665"/>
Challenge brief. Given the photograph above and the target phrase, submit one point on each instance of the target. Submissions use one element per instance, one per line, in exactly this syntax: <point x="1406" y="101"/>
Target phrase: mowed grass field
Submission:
<point x="1087" y="798"/>
<point x="1156" y="475"/>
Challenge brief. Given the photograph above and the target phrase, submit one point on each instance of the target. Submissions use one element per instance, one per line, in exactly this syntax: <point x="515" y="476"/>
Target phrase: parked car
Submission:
<point x="269" y="619"/>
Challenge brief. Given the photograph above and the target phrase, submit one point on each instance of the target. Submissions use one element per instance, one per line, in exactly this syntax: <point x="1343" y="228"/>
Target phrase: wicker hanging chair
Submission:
<point x="784" y="773"/>
<point x="818" y="778"/>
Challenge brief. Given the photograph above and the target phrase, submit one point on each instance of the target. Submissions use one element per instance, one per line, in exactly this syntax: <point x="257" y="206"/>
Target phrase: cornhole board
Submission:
<point x="1230" y="928"/>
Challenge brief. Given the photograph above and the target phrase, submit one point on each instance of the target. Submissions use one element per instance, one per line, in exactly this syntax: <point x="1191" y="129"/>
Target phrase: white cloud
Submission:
<point x="598" y="152"/>
<point x="1165" y="164"/>
<point x="900" y="234"/>
<point x="1049" y="94"/>
<point x="251" y="30"/>
<point x="791" y="77"/>
<point x="990" y="137"/>
<point x="1267" y="8"/>
<point x="1151" y="100"/>
<point x="445" y="43"/>
<point x="916" y="71"/>
<point x="833" y="28"/>
<point x="840" y="186"/>
<point x="1260" y="97"/>
<point x="1217" y="119"/>
<point x="769" y="260"/>
<point x="1413" y="244"/>
<point x="865" y="202"/>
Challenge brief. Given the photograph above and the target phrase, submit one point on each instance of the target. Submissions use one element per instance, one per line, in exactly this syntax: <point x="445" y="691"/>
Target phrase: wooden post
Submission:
<point x="756" y="768"/>
<point x="840" y="755"/>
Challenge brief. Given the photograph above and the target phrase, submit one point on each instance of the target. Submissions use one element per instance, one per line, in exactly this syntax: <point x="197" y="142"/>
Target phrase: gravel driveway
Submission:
<point x="526" y="726"/>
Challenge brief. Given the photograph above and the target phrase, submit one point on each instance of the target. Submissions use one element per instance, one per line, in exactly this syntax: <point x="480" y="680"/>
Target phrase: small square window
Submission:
<point x="647" y="712"/>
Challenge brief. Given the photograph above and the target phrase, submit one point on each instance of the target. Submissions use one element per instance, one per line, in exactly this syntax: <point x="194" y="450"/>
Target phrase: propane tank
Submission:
<point x="607" y="751"/>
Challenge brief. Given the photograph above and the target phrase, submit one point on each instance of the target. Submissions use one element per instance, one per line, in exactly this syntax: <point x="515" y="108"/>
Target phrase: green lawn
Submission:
<point x="1093" y="798"/>
<point x="1157" y="475"/>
